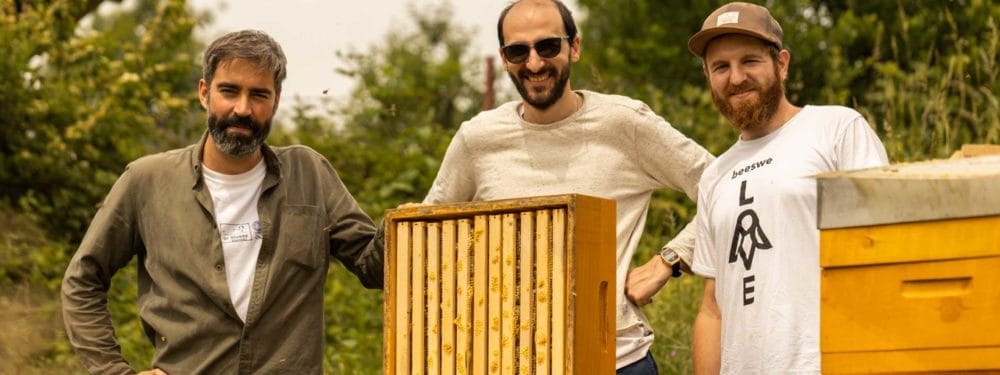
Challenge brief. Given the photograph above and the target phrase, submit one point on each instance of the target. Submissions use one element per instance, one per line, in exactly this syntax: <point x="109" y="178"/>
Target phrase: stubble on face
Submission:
<point x="541" y="98"/>
<point x="750" y="115"/>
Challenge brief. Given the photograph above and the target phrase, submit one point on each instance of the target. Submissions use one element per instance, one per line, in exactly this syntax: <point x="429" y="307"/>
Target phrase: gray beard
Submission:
<point x="237" y="145"/>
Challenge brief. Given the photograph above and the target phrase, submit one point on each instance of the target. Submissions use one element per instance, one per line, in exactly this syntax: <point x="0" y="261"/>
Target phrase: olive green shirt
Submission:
<point x="160" y="210"/>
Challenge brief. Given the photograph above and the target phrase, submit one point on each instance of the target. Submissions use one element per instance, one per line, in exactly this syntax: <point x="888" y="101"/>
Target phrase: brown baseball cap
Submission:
<point x="737" y="18"/>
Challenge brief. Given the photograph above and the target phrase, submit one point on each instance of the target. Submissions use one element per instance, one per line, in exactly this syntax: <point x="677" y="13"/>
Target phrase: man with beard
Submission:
<point x="558" y="141"/>
<point x="233" y="238"/>
<point x="758" y="244"/>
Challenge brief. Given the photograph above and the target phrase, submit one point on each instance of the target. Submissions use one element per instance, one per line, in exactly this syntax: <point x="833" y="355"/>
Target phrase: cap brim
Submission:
<point x="700" y="40"/>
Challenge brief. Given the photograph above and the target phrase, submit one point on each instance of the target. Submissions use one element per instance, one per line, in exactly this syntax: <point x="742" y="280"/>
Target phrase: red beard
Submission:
<point x="751" y="114"/>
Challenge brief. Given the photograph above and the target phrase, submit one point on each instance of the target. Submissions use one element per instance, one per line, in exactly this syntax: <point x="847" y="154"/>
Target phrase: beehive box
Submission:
<point x="910" y="258"/>
<point x="522" y="286"/>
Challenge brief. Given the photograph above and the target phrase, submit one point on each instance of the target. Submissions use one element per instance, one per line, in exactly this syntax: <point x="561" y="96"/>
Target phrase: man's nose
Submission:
<point x="737" y="75"/>
<point x="535" y="62"/>
<point x="242" y="107"/>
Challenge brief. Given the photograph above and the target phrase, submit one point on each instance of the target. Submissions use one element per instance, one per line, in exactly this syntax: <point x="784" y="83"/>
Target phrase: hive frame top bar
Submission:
<point x="451" y="210"/>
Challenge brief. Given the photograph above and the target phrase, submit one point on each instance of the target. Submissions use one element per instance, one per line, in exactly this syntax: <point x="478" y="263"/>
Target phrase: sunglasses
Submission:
<point x="546" y="48"/>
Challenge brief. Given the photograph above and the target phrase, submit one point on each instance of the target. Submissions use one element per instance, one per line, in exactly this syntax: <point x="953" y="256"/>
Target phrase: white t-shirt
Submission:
<point x="234" y="198"/>
<point x="613" y="147"/>
<point x="757" y="236"/>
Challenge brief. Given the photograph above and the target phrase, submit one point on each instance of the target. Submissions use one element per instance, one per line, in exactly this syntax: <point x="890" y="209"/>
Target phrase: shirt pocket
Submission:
<point x="301" y="236"/>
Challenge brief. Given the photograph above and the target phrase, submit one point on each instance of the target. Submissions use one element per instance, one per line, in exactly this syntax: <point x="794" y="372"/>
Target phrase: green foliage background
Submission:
<point x="82" y="100"/>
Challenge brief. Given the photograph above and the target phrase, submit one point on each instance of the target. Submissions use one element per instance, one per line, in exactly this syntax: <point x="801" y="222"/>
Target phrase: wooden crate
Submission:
<point x="501" y="287"/>
<point x="909" y="256"/>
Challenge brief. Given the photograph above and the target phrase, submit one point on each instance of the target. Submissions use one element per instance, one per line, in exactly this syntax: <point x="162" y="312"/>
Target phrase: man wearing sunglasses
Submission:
<point x="758" y="245"/>
<point x="557" y="141"/>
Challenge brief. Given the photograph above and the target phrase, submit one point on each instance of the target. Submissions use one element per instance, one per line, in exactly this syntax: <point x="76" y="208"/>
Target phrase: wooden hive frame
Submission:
<point x="461" y="278"/>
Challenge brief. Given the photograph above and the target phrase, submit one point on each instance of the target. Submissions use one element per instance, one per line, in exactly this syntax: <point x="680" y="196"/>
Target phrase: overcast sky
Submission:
<point x="312" y="31"/>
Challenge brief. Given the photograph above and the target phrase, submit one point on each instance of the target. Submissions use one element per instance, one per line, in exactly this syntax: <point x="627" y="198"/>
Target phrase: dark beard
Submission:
<point x="236" y="144"/>
<point x="547" y="100"/>
<point x="751" y="115"/>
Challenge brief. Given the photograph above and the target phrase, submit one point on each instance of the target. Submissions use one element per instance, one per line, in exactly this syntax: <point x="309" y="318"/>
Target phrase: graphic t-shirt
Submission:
<point x="757" y="236"/>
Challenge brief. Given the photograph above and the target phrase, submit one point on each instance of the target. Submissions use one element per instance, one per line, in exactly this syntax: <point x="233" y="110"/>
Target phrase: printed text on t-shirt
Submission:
<point x="751" y="167"/>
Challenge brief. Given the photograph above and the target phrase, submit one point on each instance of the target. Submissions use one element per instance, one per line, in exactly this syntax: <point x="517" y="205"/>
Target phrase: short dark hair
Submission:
<point x="567" y="19"/>
<point x="249" y="45"/>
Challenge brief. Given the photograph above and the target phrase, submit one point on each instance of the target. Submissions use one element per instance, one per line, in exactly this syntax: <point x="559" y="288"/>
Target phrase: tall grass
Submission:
<point x="942" y="102"/>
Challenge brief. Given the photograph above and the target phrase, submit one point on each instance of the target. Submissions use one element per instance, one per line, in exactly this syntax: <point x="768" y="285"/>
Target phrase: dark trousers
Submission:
<point x="644" y="366"/>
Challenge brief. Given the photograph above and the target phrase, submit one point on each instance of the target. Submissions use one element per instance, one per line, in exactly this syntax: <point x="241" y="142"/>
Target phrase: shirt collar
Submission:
<point x="271" y="161"/>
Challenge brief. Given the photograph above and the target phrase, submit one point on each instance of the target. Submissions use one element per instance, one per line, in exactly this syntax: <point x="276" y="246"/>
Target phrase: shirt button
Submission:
<point x="163" y="338"/>
<point x="219" y="266"/>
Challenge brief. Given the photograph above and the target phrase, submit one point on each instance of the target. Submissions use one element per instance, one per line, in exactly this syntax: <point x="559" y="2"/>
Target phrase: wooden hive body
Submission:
<point x="501" y="287"/>
<point x="909" y="256"/>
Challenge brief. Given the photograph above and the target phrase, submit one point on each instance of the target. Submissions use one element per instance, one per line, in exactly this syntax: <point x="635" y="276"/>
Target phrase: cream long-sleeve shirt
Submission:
<point x="613" y="147"/>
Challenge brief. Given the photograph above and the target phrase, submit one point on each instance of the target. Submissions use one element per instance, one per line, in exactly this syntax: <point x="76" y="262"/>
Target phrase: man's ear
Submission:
<point x="574" y="49"/>
<point x="203" y="93"/>
<point x="784" y="58"/>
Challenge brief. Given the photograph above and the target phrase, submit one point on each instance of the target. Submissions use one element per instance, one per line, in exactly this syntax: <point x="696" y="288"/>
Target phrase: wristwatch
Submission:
<point x="672" y="260"/>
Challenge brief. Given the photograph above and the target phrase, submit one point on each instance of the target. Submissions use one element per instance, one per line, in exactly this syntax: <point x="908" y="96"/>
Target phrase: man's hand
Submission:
<point x="644" y="281"/>
<point x="154" y="371"/>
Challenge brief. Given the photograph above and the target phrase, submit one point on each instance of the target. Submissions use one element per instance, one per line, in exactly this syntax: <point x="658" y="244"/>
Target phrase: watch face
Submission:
<point x="670" y="256"/>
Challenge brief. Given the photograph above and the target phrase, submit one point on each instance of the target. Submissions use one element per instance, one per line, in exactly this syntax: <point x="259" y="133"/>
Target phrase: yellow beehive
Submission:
<point x="910" y="258"/>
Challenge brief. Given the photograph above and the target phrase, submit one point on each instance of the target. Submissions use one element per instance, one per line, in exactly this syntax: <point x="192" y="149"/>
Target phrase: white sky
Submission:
<point x="312" y="31"/>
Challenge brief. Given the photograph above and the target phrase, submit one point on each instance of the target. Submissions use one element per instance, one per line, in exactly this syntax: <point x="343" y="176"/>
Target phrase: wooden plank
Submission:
<point x="464" y="296"/>
<point x="543" y="277"/>
<point x="448" y="290"/>
<point x="910" y="192"/>
<point x="973" y="150"/>
<point x="389" y="300"/>
<point x="508" y="295"/>
<point x="418" y="278"/>
<point x="479" y="294"/>
<point x="433" y="291"/>
<point x="559" y="313"/>
<point x="918" y="305"/>
<point x="910" y="242"/>
<point x="493" y="300"/>
<point x="469" y="209"/>
<point x="402" y="310"/>
<point x="526" y="314"/>
<point x="590" y="286"/>
<point x="978" y="360"/>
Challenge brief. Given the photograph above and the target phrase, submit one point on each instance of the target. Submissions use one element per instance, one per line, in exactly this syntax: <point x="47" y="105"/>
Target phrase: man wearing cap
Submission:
<point x="757" y="244"/>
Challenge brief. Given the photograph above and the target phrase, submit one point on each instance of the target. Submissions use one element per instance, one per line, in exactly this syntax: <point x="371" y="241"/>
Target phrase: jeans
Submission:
<point x="644" y="366"/>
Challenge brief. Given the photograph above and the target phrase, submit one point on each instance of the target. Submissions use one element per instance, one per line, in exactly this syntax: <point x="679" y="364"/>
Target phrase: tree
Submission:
<point x="82" y="101"/>
<point x="413" y="90"/>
